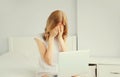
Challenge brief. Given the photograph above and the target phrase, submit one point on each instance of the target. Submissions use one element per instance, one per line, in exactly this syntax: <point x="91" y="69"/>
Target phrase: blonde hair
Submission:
<point x="52" y="21"/>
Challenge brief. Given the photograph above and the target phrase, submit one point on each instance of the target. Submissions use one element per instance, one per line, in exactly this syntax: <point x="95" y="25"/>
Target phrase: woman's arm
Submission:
<point x="45" y="52"/>
<point x="41" y="46"/>
<point x="62" y="44"/>
<point x="48" y="54"/>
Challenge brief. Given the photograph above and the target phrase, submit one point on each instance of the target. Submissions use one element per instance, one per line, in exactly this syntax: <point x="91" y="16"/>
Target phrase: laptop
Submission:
<point x="73" y="63"/>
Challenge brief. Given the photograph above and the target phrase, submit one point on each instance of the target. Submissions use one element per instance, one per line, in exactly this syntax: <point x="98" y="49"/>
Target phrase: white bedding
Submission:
<point x="22" y="58"/>
<point x="17" y="66"/>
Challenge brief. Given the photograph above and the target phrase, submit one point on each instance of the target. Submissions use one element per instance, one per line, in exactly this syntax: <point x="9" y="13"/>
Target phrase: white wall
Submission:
<point x="98" y="22"/>
<point x="28" y="17"/>
<point x="99" y="27"/>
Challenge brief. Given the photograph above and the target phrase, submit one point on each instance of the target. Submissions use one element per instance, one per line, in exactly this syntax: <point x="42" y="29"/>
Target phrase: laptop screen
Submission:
<point x="73" y="63"/>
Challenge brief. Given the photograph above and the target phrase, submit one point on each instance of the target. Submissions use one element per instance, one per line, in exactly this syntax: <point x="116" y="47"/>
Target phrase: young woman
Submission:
<point x="51" y="43"/>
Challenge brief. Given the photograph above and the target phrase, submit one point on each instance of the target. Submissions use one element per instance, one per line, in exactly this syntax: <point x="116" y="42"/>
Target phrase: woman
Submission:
<point x="52" y="42"/>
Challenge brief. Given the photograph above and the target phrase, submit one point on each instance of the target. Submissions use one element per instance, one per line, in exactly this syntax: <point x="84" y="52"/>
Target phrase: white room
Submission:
<point x="93" y="27"/>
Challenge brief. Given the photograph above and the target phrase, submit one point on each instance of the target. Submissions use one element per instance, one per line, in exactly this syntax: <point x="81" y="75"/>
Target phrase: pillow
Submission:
<point x="24" y="46"/>
<point x="27" y="46"/>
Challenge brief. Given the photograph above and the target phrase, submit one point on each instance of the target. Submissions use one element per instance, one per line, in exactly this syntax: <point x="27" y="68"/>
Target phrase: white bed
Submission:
<point x="16" y="66"/>
<point x="21" y="61"/>
<point x="22" y="58"/>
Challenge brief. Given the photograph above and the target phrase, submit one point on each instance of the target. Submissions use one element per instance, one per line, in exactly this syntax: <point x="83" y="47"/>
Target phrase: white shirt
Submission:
<point x="45" y="68"/>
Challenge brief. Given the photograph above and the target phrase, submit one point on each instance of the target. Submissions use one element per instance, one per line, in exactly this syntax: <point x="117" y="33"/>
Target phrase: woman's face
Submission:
<point x="58" y="28"/>
<point x="60" y="25"/>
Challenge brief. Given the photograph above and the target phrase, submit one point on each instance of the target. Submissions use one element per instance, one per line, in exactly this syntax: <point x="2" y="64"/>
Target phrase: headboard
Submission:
<point x="26" y="46"/>
<point x="17" y="44"/>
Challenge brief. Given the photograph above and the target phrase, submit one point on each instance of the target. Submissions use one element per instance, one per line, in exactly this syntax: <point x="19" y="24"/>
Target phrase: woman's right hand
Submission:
<point x="54" y="32"/>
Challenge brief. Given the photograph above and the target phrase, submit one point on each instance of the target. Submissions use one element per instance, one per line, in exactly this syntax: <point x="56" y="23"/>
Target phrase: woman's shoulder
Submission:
<point x="39" y="40"/>
<point x="40" y="37"/>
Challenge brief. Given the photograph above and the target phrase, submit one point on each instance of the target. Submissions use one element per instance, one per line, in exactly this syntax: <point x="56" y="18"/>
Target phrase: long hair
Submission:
<point x="52" y="21"/>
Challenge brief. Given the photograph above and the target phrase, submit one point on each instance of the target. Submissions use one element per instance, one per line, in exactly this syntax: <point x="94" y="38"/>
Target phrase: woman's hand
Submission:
<point x="60" y="30"/>
<point x="62" y="44"/>
<point x="54" y="32"/>
<point x="57" y="31"/>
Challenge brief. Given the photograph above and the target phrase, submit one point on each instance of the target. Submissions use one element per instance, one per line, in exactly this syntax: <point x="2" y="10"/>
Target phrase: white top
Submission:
<point x="53" y="69"/>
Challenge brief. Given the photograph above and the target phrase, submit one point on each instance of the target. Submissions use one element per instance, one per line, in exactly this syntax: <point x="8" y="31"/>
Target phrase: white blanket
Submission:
<point x="16" y="65"/>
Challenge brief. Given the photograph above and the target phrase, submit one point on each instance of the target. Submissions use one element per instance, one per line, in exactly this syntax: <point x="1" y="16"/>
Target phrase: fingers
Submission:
<point x="61" y="28"/>
<point x="58" y="30"/>
<point x="53" y="32"/>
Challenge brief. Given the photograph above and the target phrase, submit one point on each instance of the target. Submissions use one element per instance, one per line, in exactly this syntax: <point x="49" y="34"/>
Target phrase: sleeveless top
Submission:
<point x="43" y="66"/>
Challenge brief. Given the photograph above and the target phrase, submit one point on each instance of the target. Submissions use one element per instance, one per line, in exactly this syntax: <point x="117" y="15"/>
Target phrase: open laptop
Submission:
<point x="73" y="63"/>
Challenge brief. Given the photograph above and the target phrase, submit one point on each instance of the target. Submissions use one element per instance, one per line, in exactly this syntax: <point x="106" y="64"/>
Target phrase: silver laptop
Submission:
<point x="73" y="63"/>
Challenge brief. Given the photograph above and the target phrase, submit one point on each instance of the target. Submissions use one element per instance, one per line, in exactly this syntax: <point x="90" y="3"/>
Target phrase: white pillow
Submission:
<point x="27" y="46"/>
<point x="24" y="46"/>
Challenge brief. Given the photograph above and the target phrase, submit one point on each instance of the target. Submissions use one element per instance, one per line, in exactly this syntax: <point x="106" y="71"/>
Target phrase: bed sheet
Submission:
<point x="16" y="65"/>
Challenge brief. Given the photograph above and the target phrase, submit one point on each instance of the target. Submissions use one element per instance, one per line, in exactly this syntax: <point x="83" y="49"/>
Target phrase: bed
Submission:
<point x="16" y="66"/>
<point x="21" y="61"/>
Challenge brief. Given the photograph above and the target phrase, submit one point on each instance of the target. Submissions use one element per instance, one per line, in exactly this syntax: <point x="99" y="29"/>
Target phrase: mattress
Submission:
<point x="16" y="65"/>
